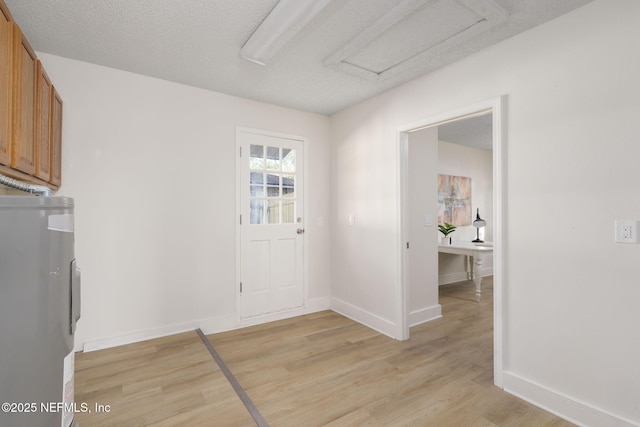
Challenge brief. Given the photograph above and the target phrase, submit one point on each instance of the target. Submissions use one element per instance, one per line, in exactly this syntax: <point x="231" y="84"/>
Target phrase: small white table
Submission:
<point x="476" y="250"/>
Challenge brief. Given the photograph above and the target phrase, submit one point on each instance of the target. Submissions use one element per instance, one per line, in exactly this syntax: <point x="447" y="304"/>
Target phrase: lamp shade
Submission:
<point x="479" y="223"/>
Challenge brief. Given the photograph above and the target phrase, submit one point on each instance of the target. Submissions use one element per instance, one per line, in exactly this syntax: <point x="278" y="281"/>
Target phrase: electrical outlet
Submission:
<point x="626" y="231"/>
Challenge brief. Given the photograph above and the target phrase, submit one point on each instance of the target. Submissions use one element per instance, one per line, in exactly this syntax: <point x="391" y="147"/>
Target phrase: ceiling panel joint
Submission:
<point x="398" y="40"/>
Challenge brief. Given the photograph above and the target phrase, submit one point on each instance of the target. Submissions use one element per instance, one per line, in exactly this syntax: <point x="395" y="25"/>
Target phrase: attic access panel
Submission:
<point x="412" y="32"/>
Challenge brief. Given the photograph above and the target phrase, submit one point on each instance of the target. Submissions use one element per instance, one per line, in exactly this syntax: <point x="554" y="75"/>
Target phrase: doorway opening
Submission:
<point x="420" y="130"/>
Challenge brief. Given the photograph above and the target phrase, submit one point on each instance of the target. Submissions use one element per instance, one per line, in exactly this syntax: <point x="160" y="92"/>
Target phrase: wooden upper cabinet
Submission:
<point x="30" y="110"/>
<point x="44" y="106"/>
<point x="6" y="83"/>
<point x="24" y="104"/>
<point x="56" y="138"/>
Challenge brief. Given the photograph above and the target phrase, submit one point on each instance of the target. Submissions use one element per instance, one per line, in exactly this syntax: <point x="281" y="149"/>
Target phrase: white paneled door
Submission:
<point x="271" y="223"/>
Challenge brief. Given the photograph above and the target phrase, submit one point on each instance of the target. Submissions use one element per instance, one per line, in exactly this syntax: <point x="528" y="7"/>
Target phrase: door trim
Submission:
<point x="498" y="106"/>
<point x="240" y="322"/>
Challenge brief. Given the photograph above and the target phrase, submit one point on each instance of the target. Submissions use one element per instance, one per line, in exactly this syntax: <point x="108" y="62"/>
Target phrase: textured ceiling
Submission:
<point x="351" y="51"/>
<point x="476" y="132"/>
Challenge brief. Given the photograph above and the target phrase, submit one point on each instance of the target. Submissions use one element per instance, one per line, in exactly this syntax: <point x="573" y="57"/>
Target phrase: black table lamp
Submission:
<point x="477" y="223"/>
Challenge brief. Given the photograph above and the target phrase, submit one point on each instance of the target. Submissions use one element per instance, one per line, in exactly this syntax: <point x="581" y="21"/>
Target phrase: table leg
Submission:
<point x="477" y="260"/>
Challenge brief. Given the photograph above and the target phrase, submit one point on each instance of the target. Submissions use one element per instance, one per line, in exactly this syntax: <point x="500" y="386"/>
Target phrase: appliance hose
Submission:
<point x="38" y="190"/>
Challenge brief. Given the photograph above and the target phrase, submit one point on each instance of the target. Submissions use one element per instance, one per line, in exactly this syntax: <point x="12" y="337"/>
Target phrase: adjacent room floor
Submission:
<point x="315" y="370"/>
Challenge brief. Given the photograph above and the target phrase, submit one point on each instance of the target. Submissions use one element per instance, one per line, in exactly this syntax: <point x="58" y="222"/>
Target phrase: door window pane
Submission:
<point x="288" y="211"/>
<point x="256" y="211"/>
<point x="256" y="184"/>
<point x="273" y="158"/>
<point x="256" y="161"/>
<point x="288" y="160"/>
<point x="273" y="185"/>
<point x="288" y="185"/>
<point x="273" y="212"/>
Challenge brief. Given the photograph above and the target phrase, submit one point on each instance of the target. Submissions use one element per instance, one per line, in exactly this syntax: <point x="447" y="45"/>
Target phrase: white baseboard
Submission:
<point x="425" y="315"/>
<point x="319" y="304"/>
<point x="228" y="323"/>
<point x="103" y="343"/>
<point x="580" y="413"/>
<point x="445" y="279"/>
<point x="214" y="325"/>
<point x="364" y="317"/>
<point x="208" y="326"/>
<point x="486" y="271"/>
<point x="461" y="276"/>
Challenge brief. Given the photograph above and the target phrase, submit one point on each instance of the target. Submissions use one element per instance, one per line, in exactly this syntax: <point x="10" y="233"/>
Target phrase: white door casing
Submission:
<point x="498" y="107"/>
<point x="271" y="177"/>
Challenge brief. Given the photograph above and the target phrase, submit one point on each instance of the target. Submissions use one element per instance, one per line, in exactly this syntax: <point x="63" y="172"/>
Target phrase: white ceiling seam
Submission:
<point x="285" y="20"/>
<point x="391" y="18"/>
<point x="486" y="15"/>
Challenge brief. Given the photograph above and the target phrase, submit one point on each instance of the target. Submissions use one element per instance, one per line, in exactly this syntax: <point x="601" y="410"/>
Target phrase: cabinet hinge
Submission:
<point x="407" y="245"/>
<point x="240" y="287"/>
<point x="240" y="219"/>
<point x="240" y="151"/>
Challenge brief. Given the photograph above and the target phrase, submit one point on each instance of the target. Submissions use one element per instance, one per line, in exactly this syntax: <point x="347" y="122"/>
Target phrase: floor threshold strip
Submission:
<point x="244" y="397"/>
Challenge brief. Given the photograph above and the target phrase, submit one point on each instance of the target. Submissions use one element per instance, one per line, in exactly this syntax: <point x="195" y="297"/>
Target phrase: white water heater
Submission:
<point x="39" y="307"/>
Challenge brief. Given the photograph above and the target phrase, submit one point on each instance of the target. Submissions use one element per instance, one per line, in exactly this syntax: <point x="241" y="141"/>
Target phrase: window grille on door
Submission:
<point x="272" y="185"/>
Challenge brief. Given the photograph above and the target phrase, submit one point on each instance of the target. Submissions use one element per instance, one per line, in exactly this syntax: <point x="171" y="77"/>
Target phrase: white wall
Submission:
<point x="7" y="191"/>
<point x="477" y="164"/>
<point x="151" y="166"/>
<point x="571" y="293"/>
<point x="422" y="201"/>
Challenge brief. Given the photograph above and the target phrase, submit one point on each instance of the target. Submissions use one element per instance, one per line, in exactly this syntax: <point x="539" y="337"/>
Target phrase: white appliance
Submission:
<point x="39" y="307"/>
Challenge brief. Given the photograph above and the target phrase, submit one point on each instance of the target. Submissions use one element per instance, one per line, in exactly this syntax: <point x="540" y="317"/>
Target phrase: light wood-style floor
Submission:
<point x="316" y="370"/>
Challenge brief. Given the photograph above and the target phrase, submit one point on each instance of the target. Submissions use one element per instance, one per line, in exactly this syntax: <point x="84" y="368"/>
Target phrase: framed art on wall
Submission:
<point x="454" y="200"/>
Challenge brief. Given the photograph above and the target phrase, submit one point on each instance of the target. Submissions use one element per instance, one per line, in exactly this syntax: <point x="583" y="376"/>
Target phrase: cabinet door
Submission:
<point x="43" y="124"/>
<point x="56" y="138"/>
<point x="24" y="105"/>
<point x="6" y="75"/>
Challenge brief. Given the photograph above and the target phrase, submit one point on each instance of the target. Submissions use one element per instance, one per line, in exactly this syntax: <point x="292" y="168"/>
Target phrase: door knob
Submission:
<point x="300" y="230"/>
